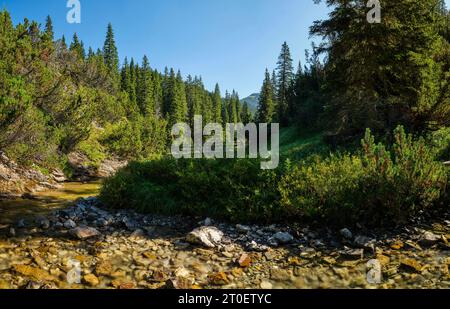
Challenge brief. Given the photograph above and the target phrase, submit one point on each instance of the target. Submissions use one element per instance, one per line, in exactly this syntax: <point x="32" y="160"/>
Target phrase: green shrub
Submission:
<point x="374" y="186"/>
<point x="230" y="189"/>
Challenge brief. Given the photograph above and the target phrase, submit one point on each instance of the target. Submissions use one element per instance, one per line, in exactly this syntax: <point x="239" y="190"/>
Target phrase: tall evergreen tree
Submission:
<point x="285" y="75"/>
<point x="77" y="47"/>
<point x="49" y="29"/>
<point x="246" y="114"/>
<point x="145" y="94"/>
<point x="110" y="52"/>
<point x="217" y="104"/>
<point x="266" y="109"/>
<point x="386" y="74"/>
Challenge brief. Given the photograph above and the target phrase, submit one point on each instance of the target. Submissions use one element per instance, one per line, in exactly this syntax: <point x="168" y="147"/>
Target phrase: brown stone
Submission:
<point x="218" y="278"/>
<point x="245" y="260"/>
<point x="34" y="273"/>
<point x="91" y="280"/>
<point x="103" y="268"/>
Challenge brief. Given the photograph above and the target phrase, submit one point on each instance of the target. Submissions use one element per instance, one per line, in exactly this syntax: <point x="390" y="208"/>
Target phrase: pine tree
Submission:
<point x="266" y="108"/>
<point x="145" y="95"/>
<point x="246" y="114"/>
<point x="285" y="75"/>
<point x="217" y="104"/>
<point x="382" y="75"/>
<point x="225" y="108"/>
<point x="49" y="29"/>
<point x="77" y="47"/>
<point x="63" y="43"/>
<point x="110" y="53"/>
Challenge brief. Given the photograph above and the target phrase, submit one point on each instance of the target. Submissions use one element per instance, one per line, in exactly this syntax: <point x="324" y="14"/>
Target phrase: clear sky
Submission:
<point x="226" y="41"/>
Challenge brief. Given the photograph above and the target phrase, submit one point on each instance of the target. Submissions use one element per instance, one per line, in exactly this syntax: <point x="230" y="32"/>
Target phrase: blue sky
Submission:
<point x="226" y="41"/>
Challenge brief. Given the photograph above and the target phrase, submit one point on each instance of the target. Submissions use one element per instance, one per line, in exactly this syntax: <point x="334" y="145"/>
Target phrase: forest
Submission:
<point x="365" y="121"/>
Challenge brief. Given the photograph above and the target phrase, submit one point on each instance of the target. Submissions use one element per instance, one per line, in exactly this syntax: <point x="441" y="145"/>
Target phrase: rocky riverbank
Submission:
<point x="123" y="249"/>
<point x="16" y="181"/>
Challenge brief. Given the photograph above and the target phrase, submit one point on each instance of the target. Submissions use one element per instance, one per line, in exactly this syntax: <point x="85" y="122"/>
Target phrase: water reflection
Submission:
<point x="44" y="202"/>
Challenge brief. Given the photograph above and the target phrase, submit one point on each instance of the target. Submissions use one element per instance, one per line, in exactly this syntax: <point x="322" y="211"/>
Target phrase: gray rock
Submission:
<point x="283" y="238"/>
<point x="42" y="222"/>
<point x="429" y="239"/>
<point x="207" y="236"/>
<point x="346" y="233"/>
<point x="70" y="224"/>
<point x="243" y="229"/>
<point x="21" y="223"/>
<point x="363" y="242"/>
<point x="254" y="246"/>
<point x="84" y="232"/>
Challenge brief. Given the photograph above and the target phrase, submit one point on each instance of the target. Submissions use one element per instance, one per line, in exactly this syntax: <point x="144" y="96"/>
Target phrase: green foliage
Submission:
<point x="387" y="74"/>
<point x="195" y="187"/>
<point x="375" y="186"/>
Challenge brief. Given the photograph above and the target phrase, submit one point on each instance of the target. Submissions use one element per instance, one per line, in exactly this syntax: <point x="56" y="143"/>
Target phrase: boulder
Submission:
<point x="207" y="236"/>
<point x="84" y="232"/>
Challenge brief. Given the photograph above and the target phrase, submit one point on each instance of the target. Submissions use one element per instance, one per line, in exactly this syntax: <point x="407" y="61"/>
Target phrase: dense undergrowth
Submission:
<point x="377" y="184"/>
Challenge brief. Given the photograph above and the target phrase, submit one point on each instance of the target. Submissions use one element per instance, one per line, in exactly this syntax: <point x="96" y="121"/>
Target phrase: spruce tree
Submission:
<point x="49" y="29"/>
<point x="217" y="104"/>
<point x="110" y="53"/>
<point x="382" y="75"/>
<point x="145" y="95"/>
<point x="266" y="108"/>
<point x="77" y="47"/>
<point x="285" y="75"/>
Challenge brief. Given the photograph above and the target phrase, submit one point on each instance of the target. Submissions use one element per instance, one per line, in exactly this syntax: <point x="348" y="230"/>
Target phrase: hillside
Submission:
<point x="252" y="101"/>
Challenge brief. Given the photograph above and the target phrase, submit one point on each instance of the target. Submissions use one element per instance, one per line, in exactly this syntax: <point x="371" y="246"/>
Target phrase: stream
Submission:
<point x="44" y="202"/>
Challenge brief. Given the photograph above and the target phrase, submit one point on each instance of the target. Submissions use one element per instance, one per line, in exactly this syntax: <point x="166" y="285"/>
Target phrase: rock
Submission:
<point x="353" y="254"/>
<point x="182" y="272"/>
<point x="12" y="232"/>
<point x="266" y="285"/>
<point x="346" y="233"/>
<point x="383" y="259"/>
<point x="43" y="223"/>
<point x="429" y="239"/>
<point x="22" y="223"/>
<point x="160" y="276"/>
<point x="279" y="274"/>
<point x="33" y="285"/>
<point x="104" y="268"/>
<point x="243" y="229"/>
<point x="207" y="236"/>
<point x="84" y="232"/>
<point x="245" y="260"/>
<point x="91" y="280"/>
<point x="254" y="246"/>
<point x="70" y="224"/>
<point x="33" y="273"/>
<point x="218" y="279"/>
<point x="411" y="265"/>
<point x="363" y="242"/>
<point x="207" y="222"/>
<point x="181" y="283"/>
<point x="4" y="285"/>
<point x="138" y="234"/>
<point x="329" y="260"/>
<point x="397" y="245"/>
<point x="283" y="238"/>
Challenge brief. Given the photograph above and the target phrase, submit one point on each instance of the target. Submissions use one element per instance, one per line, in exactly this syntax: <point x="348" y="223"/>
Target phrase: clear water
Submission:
<point x="11" y="210"/>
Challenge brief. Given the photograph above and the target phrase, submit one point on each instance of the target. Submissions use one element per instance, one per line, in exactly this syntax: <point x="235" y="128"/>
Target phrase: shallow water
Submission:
<point x="12" y="210"/>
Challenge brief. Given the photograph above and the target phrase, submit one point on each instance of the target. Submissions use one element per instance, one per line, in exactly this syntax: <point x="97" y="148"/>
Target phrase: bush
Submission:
<point x="376" y="186"/>
<point x="229" y="189"/>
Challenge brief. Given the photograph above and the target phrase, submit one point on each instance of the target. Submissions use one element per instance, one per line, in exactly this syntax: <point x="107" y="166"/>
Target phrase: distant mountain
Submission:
<point x="252" y="101"/>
